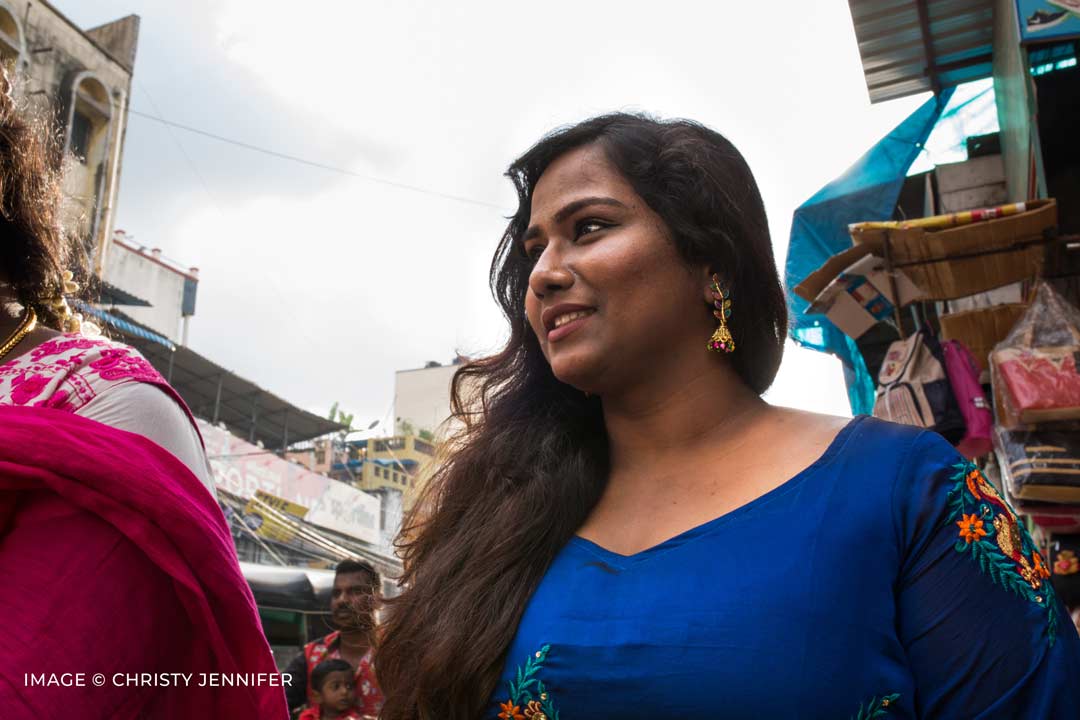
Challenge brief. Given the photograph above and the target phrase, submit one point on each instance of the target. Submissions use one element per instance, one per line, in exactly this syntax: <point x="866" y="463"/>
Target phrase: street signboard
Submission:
<point x="1042" y="20"/>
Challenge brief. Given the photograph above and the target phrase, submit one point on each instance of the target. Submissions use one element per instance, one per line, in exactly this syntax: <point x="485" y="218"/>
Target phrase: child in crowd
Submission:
<point x="332" y="688"/>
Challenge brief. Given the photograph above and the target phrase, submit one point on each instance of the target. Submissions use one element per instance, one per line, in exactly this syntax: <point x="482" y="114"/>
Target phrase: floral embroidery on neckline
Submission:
<point x="1001" y="546"/>
<point x="529" y="700"/>
<point x="877" y="708"/>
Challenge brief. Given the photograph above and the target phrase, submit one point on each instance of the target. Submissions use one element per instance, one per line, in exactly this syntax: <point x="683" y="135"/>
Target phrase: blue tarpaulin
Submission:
<point x="867" y="191"/>
<point x="121" y="324"/>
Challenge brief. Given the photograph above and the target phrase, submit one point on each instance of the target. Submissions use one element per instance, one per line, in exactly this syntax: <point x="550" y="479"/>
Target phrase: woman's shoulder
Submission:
<point x="75" y="352"/>
<point x="883" y="465"/>
<point x="109" y="358"/>
<point x="889" y="445"/>
<point x="917" y="474"/>
<point x="67" y="371"/>
<point x="858" y="444"/>
<point x="789" y="424"/>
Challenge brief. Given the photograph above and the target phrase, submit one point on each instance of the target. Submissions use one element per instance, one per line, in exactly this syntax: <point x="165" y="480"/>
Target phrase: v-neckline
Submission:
<point x="616" y="558"/>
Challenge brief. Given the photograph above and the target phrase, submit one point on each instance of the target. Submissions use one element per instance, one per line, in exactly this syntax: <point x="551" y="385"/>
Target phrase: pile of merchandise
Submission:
<point x="1036" y="391"/>
<point x="989" y="357"/>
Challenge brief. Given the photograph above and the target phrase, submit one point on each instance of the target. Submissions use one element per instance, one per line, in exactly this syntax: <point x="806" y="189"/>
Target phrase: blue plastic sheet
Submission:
<point x="867" y="191"/>
<point x="121" y="324"/>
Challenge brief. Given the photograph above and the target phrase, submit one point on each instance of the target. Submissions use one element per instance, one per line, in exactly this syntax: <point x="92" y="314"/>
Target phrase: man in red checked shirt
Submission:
<point x="352" y="608"/>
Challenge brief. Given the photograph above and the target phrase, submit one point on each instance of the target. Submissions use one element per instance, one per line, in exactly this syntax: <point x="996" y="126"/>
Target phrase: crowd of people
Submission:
<point x="623" y="529"/>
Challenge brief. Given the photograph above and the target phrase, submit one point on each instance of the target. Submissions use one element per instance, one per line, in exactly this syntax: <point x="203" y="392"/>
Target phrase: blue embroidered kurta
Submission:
<point x="887" y="580"/>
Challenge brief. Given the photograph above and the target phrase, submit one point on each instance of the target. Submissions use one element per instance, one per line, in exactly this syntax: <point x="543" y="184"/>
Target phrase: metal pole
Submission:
<point x="254" y="419"/>
<point x="928" y="46"/>
<point x="892" y="286"/>
<point x="217" y="399"/>
<point x="285" y="432"/>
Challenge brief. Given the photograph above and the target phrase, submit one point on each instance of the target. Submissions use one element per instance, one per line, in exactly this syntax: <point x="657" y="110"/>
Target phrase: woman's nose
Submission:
<point x="550" y="274"/>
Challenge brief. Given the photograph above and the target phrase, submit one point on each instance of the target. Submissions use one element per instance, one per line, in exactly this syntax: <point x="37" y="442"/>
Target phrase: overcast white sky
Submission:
<point x="318" y="286"/>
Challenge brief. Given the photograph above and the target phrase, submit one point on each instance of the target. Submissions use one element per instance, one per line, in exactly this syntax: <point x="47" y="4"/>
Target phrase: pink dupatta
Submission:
<point x="115" y="559"/>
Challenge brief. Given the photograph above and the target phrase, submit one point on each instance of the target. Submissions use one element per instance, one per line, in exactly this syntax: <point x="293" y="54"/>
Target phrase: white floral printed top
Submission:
<point x="109" y="382"/>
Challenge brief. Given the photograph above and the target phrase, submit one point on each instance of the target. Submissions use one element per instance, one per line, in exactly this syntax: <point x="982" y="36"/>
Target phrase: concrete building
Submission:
<point x="82" y="80"/>
<point x="168" y="287"/>
<point x="391" y="512"/>
<point x="400" y="463"/>
<point x="400" y="454"/>
<point x="422" y="399"/>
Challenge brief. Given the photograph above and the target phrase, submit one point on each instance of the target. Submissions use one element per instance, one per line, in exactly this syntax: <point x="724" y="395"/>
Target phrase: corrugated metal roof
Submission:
<point x="247" y="410"/>
<point x="912" y="46"/>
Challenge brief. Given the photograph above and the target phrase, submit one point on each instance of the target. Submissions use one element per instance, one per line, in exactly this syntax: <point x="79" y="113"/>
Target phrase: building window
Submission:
<point x="378" y="471"/>
<point x="81" y="127"/>
<point x="11" y="40"/>
<point x="88" y="128"/>
<point x="423" y="447"/>
<point x="86" y="138"/>
<point x="88" y="131"/>
<point x="394" y="443"/>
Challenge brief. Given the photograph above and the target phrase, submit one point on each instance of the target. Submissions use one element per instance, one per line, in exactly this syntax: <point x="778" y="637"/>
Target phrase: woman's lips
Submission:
<point x="563" y="330"/>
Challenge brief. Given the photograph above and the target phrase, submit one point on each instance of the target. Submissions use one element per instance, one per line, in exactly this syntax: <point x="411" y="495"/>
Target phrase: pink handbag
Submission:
<point x="964" y="379"/>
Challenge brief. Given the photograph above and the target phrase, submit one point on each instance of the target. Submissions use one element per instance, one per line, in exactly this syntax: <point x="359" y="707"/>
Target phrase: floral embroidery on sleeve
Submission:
<point x="61" y="345"/>
<point x="998" y="542"/>
<point x="528" y="698"/>
<point x="122" y="363"/>
<point x="69" y="371"/>
<point x="877" y="708"/>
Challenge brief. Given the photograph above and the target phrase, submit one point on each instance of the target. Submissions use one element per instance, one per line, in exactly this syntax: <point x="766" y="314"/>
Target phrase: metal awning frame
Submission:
<point x="913" y="46"/>
<point x="219" y="395"/>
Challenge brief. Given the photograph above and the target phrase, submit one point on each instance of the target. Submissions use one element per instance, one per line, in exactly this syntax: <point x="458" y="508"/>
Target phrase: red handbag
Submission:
<point x="1042" y="378"/>
<point x="1034" y="369"/>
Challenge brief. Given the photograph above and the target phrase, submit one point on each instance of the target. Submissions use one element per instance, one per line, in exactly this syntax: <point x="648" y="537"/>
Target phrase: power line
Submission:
<point x="179" y="146"/>
<point x="312" y="163"/>
<point x="290" y="308"/>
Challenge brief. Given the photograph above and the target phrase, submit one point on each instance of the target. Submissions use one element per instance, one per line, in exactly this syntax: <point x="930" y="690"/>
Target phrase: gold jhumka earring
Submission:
<point x="721" y="340"/>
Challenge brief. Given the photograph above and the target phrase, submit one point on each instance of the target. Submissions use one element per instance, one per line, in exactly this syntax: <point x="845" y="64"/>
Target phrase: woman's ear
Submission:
<point x="703" y="275"/>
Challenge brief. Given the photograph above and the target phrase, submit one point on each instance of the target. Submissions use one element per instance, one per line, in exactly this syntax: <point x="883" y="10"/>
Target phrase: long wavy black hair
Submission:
<point x="35" y="250"/>
<point x="533" y="458"/>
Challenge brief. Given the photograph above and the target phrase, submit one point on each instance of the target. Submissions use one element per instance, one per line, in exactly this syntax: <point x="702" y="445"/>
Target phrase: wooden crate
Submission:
<point x="948" y="276"/>
<point x="981" y="329"/>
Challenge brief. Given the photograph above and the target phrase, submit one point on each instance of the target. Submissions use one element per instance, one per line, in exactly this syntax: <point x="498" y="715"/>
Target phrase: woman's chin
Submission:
<point x="580" y="370"/>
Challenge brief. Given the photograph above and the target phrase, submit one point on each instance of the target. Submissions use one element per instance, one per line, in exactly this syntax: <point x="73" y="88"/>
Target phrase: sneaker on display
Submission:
<point x="1041" y="20"/>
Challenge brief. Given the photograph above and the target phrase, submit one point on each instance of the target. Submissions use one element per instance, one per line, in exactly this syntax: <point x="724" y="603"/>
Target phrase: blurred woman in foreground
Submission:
<point x="115" y="558"/>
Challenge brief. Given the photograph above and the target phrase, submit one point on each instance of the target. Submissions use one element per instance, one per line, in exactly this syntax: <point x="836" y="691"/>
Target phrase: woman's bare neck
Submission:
<point x="664" y="418"/>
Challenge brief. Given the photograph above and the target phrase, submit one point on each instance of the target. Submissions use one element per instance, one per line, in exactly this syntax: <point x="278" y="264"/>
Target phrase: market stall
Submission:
<point x="951" y="295"/>
<point x="981" y="306"/>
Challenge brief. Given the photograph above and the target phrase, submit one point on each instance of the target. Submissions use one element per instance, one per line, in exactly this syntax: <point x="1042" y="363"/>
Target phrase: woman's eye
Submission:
<point x="588" y="226"/>
<point x="534" y="252"/>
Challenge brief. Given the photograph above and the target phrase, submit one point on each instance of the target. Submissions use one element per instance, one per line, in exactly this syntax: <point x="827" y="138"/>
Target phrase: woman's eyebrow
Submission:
<point x="571" y="208"/>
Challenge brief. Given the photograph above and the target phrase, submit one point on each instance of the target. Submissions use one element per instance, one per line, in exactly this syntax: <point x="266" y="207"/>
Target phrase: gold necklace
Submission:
<point x="29" y="322"/>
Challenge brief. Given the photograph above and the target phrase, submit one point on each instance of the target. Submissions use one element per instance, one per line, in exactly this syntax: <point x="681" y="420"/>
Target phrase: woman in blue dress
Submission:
<point x="625" y="529"/>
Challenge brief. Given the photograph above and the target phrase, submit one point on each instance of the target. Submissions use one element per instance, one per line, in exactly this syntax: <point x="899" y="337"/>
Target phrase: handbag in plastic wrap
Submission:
<point x="1040" y="464"/>
<point x="1034" y="370"/>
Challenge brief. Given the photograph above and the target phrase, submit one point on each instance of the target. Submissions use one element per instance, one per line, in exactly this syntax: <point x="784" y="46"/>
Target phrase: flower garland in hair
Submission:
<point x="70" y="322"/>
